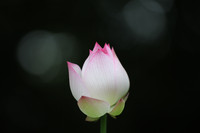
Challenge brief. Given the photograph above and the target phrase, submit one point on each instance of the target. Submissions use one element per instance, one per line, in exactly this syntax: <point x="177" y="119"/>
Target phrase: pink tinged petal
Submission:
<point x="108" y="45"/>
<point x="126" y="97"/>
<point x="96" y="47"/>
<point x="93" y="108"/>
<point x="75" y="67"/>
<point x="92" y="52"/>
<point x="77" y="86"/>
<point x="90" y="119"/>
<point x="99" y="78"/>
<point x="87" y="61"/>
<point x="118" y="108"/>
<point x="107" y="50"/>
<point x="122" y="82"/>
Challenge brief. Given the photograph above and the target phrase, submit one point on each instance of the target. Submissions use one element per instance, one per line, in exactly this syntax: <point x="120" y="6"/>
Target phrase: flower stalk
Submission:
<point x="103" y="124"/>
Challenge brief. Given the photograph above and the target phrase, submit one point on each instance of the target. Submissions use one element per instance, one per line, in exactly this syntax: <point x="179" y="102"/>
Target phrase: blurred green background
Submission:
<point x="157" y="42"/>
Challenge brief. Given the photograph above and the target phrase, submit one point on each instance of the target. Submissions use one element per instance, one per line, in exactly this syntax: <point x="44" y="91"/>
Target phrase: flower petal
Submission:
<point x="77" y="86"/>
<point x="90" y="119"/>
<point x="96" y="47"/>
<point x="75" y="67"/>
<point x="125" y="97"/>
<point x="118" y="108"/>
<point x="122" y="83"/>
<point x="99" y="78"/>
<point x="93" y="107"/>
<point x="87" y="61"/>
<point x="106" y="49"/>
<point x="104" y="76"/>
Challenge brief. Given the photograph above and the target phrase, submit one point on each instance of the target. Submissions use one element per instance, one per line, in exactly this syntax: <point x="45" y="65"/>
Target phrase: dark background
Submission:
<point x="157" y="41"/>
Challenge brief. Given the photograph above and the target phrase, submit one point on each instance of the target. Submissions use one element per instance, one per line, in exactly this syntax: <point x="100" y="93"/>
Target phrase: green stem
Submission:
<point x="103" y="123"/>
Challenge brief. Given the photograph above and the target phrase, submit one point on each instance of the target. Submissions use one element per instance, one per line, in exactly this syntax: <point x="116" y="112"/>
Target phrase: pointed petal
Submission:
<point x="93" y="107"/>
<point x="77" y="86"/>
<point x="122" y="82"/>
<point x="106" y="49"/>
<point x="92" y="53"/>
<point x="99" y="77"/>
<point x="118" y="108"/>
<point x="126" y="97"/>
<point x="90" y="119"/>
<point x="87" y="61"/>
<point x="96" y="47"/>
<point x="108" y="45"/>
<point x="104" y="76"/>
<point x="75" y="67"/>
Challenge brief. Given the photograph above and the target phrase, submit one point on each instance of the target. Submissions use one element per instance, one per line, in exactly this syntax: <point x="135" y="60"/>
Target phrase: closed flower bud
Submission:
<point x="102" y="85"/>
